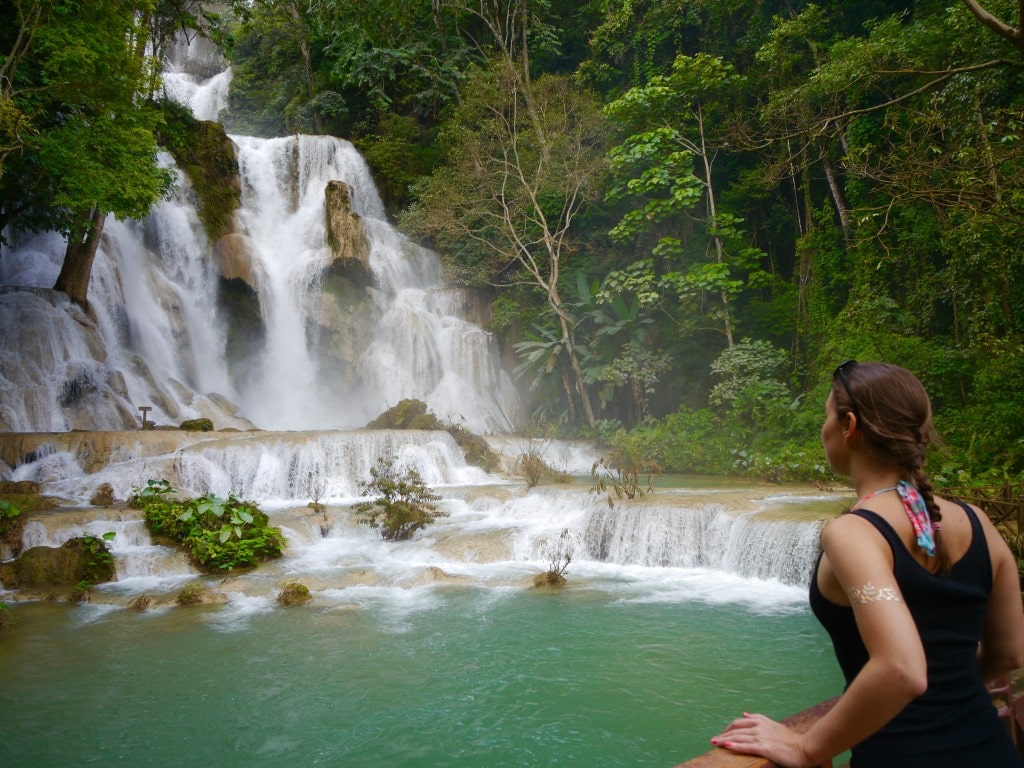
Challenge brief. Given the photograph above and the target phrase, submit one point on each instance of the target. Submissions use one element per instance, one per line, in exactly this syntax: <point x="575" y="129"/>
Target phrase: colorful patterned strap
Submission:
<point x="917" y="511"/>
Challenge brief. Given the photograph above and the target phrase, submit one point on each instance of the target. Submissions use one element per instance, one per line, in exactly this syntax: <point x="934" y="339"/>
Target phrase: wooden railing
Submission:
<point x="723" y="758"/>
<point x="1002" y="503"/>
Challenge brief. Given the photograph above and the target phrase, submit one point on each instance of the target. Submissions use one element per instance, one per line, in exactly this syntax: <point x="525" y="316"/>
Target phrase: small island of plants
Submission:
<point x="218" y="534"/>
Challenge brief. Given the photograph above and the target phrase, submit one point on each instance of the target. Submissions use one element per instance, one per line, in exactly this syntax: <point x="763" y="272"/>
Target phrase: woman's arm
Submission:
<point x="859" y="560"/>
<point x="1002" y="640"/>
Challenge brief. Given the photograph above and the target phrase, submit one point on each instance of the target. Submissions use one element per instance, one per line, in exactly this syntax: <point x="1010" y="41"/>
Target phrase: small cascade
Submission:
<point x="705" y="545"/>
<point x="195" y="74"/>
<point x="136" y="559"/>
<point x="755" y="544"/>
<point x="271" y="467"/>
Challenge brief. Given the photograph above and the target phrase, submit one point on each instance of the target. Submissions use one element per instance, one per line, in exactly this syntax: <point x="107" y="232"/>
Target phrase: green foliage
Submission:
<point x="9" y="517"/>
<point x="396" y="152"/>
<point x="190" y="594"/>
<point x="689" y="441"/>
<point x="988" y="431"/>
<point x="749" y="386"/>
<point x="403" y="503"/>
<point x="80" y="83"/>
<point x="219" y="534"/>
<point x="664" y="170"/>
<point x="99" y="562"/>
<point x="619" y="475"/>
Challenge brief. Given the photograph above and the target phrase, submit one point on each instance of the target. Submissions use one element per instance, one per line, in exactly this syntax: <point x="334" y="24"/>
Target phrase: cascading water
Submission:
<point x="162" y="338"/>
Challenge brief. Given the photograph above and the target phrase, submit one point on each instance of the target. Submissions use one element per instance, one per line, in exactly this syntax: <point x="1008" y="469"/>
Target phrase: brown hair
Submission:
<point x="895" y="415"/>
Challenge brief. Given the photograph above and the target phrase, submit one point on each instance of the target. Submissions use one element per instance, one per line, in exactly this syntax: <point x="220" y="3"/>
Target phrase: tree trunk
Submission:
<point x="712" y="212"/>
<point x="81" y="251"/>
<point x="840" y="201"/>
<point x="307" y="65"/>
<point x="574" y="360"/>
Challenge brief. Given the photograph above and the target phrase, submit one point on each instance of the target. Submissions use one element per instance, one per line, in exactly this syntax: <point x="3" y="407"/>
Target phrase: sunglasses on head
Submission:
<point x="838" y="373"/>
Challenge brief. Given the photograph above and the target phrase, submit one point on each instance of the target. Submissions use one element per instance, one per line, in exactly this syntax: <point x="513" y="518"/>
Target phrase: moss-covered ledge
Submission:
<point x="206" y="154"/>
<point x="413" y="414"/>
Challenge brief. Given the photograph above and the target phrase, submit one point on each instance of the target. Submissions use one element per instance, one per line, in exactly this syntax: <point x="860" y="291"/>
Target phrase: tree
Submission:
<point x="79" y="80"/>
<point x="664" y="168"/>
<point x="523" y="159"/>
<point x="404" y="503"/>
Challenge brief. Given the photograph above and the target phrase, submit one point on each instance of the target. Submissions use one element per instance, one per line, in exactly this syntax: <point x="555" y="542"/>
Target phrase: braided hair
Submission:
<point x="895" y="416"/>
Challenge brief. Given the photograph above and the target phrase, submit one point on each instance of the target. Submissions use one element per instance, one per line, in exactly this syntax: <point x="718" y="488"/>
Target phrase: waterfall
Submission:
<point x="326" y="337"/>
<point x="754" y="544"/>
<point x="318" y="357"/>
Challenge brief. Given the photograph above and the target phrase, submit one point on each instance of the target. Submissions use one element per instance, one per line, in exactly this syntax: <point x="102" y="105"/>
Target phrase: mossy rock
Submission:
<point x="206" y="154"/>
<point x="20" y="488"/>
<point x="413" y="414"/>
<point x="399" y="416"/>
<point x="294" y="593"/>
<point x="103" y="496"/>
<point x="475" y="449"/>
<point x="140" y="603"/>
<point x="80" y="560"/>
<point x="197" y="593"/>
<point x="196" y="425"/>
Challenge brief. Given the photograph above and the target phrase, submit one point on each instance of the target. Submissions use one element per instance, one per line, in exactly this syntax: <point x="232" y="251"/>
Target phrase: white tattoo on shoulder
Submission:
<point x="869" y="593"/>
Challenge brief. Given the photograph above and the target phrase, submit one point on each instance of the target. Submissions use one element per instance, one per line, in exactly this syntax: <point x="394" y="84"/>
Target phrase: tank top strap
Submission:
<point x="883" y="527"/>
<point x="976" y="556"/>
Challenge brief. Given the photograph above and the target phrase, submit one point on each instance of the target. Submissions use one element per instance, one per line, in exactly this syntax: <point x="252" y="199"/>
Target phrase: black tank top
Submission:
<point x="953" y="724"/>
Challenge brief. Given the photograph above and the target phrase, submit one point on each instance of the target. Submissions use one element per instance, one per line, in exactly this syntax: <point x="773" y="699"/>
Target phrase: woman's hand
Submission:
<point x="762" y="736"/>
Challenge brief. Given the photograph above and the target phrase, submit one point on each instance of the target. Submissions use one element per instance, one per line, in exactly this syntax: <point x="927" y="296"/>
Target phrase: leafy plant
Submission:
<point x="219" y="534"/>
<point x="10" y="522"/>
<point x="404" y="503"/>
<point x="190" y="594"/>
<point x="100" y="565"/>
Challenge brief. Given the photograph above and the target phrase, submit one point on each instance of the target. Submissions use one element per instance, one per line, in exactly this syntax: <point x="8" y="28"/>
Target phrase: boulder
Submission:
<point x="77" y="560"/>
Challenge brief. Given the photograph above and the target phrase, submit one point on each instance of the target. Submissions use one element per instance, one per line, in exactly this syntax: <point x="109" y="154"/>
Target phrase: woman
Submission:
<point x="920" y="595"/>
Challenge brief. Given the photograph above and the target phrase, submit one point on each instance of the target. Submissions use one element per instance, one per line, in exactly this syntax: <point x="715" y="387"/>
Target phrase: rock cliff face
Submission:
<point x="344" y="314"/>
<point x="210" y="160"/>
<point x="345" y="235"/>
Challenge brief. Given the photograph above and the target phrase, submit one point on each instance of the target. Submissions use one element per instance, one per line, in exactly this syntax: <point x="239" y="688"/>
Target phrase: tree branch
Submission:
<point x="997" y="25"/>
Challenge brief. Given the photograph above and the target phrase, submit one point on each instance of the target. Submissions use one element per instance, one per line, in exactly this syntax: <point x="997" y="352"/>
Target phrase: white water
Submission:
<point x="725" y="545"/>
<point x="160" y="339"/>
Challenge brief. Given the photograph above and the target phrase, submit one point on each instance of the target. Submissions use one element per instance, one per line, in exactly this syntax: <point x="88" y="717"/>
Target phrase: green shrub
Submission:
<point x="10" y="523"/>
<point x="219" y="534"/>
<point x="404" y="503"/>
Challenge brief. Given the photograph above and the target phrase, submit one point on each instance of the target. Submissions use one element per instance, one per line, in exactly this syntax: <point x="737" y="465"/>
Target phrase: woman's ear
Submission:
<point x="850" y="426"/>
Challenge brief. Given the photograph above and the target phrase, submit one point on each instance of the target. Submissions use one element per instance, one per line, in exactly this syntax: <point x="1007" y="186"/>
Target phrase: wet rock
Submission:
<point x="78" y="560"/>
